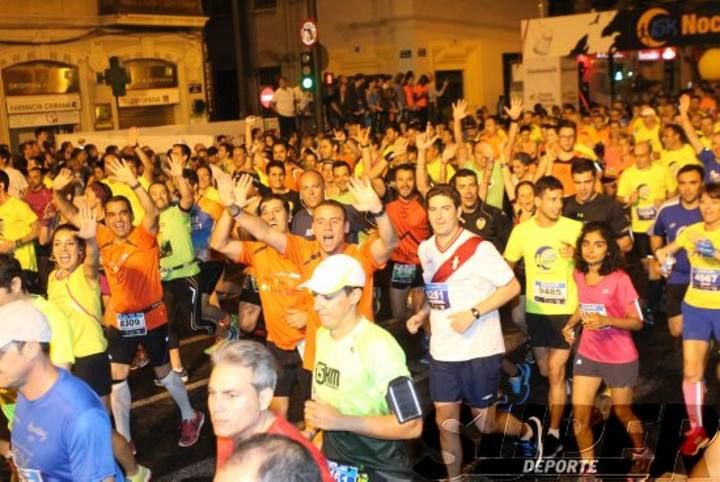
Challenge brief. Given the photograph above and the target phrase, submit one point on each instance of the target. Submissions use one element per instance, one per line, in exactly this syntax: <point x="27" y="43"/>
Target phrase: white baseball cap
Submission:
<point x="648" y="111"/>
<point x="21" y="321"/>
<point x="334" y="273"/>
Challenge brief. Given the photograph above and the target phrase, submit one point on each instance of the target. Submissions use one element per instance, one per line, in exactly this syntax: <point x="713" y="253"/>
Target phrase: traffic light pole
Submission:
<point x="317" y="88"/>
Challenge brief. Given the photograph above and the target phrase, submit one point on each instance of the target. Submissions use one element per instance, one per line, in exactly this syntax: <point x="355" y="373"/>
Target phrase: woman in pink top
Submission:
<point x="607" y="312"/>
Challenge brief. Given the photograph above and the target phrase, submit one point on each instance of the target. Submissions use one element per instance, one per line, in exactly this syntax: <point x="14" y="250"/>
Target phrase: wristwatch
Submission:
<point x="378" y="214"/>
<point x="475" y="312"/>
<point x="234" y="210"/>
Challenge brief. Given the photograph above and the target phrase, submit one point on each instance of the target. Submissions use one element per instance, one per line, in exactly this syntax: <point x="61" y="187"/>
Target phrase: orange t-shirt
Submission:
<point x="213" y="208"/>
<point x="292" y="176"/>
<point x="226" y="446"/>
<point x="307" y="255"/>
<point x="277" y="281"/>
<point x="132" y="268"/>
<point x="411" y="225"/>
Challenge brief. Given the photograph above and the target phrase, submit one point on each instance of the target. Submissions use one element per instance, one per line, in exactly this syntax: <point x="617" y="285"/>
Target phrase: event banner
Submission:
<point x="648" y="27"/>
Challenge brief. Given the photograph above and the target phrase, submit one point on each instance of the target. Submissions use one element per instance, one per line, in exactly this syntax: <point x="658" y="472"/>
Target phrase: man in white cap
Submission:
<point x="355" y="362"/>
<point x="647" y="128"/>
<point x="61" y="430"/>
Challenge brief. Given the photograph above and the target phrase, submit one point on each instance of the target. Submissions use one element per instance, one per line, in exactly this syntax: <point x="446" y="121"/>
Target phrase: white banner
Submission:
<point x="550" y="81"/>
<point x="27" y="104"/>
<point x="567" y="35"/>
<point x="140" y="98"/>
<point x="44" y="119"/>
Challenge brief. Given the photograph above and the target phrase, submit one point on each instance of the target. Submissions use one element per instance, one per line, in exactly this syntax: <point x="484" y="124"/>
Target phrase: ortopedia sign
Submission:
<point x="142" y="98"/>
<point x="28" y="104"/>
<point x="44" y="119"/>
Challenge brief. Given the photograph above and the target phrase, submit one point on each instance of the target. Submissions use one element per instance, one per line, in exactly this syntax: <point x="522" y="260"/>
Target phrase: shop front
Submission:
<point x="152" y="94"/>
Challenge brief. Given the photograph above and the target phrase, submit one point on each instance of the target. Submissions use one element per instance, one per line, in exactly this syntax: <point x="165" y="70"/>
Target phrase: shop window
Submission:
<point x="158" y="115"/>
<point x="264" y="4"/>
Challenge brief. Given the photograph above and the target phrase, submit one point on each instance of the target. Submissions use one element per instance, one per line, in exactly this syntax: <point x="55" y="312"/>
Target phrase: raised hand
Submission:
<point x="241" y="189"/>
<point x="424" y="140"/>
<point x="174" y="165"/>
<point x="121" y="172"/>
<point x="225" y="190"/>
<point x="88" y="223"/>
<point x="132" y="136"/>
<point x="366" y="199"/>
<point x="448" y="153"/>
<point x="63" y="179"/>
<point x="684" y="105"/>
<point x="516" y="107"/>
<point x="459" y="109"/>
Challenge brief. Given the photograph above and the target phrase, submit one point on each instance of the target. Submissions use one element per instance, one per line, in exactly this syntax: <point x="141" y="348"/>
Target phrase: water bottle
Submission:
<point x="667" y="266"/>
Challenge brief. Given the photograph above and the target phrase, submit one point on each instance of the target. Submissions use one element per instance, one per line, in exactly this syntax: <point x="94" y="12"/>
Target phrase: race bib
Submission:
<point x="30" y="475"/>
<point x="403" y="273"/>
<point x="646" y="213"/>
<point x="438" y="296"/>
<point x="705" y="279"/>
<point x="550" y="293"/>
<point x="589" y="308"/>
<point x="131" y="324"/>
<point x="346" y="473"/>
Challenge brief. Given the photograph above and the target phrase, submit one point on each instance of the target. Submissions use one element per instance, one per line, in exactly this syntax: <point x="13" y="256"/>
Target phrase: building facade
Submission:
<point x="55" y="54"/>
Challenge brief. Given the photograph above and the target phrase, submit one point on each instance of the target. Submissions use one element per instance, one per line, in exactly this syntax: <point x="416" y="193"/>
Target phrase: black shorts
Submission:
<point x="404" y="276"/>
<point x="210" y="273"/>
<point x="182" y="300"/>
<point x="121" y="349"/>
<point x="674" y="296"/>
<point x="545" y="331"/>
<point x="615" y="375"/>
<point x="291" y="371"/>
<point x="95" y="371"/>
<point x="641" y="246"/>
<point x="475" y="382"/>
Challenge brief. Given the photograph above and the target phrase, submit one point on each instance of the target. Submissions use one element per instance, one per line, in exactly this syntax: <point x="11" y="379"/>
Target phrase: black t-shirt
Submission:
<point x="600" y="209"/>
<point x="489" y="222"/>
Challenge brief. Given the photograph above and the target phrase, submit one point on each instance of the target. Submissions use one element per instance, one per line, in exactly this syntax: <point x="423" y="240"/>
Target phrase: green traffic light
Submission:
<point x="307" y="83"/>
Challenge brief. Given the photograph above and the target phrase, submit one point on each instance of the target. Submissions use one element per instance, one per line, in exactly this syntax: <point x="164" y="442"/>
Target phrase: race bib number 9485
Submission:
<point x="550" y="293"/>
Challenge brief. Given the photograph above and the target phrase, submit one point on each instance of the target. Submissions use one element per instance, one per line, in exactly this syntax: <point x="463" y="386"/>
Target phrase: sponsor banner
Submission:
<point x="27" y="104"/>
<point x="44" y="119"/>
<point x="141" y="98"/>
<point x="660" y="25"/>
<point x="550" y="81"/>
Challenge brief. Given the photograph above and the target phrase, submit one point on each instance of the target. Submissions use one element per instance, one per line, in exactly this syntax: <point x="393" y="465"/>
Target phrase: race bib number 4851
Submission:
<point x="132" y="324"/>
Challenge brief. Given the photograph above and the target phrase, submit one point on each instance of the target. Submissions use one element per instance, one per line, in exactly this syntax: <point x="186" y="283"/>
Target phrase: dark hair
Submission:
<point x="523" y="157"/>
<point x="462" y="173"/>
<point x="191" y="176"/>
<point x="185" y="149"/>
<point x="677" y="130"/>
<point x="228" y="147"/>
<point x="333" y="203"/>
<point x="102" y="191"/>
<point x="443" y="190"/>
<point x="692" y="168"/>
<point x="9" y="269"/>
<point x="712" y="189"/>
<point x="4" y="180"/>
<point x="271" y="197"/>
<point x="567" y="124"/>
<point x="404" y="167"/>
<point x="74" y="230"/>
<point x="274" y="457"/>
<point x="337" y="164"/>
<point x="524" y="183"/>
<point x="118" y="199"/>
<point x="581" y="165"/>
<point x="547" y="183"/>
<point x="4" y="153"/>
<point x="277" y="164"/>
<point x="613" y="258"/>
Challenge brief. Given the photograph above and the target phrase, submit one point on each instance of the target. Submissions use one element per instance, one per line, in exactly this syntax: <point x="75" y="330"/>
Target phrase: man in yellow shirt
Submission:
<point x="676" y="154"/>
<point x="647" y="128"/>
<point x="19" y="227"/>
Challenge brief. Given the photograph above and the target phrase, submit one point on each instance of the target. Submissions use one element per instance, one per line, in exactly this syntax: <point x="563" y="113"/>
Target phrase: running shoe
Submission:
<point x="533" y="447"/>
<point x="641" y="461"/>
<point x="140" y="360"/>
<point x="190" y="430"/>
<point x="552" y="446"/>
<point x="142" y="475"/>
<point x="695" y="440"/>
<point x="520" y="384"/>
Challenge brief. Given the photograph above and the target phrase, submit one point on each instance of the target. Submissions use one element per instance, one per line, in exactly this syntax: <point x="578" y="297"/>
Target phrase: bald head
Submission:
<point x="312" y="189"/>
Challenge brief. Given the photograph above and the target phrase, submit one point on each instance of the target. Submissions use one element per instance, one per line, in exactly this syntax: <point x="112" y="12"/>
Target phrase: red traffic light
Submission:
<point x="328" y="78"/>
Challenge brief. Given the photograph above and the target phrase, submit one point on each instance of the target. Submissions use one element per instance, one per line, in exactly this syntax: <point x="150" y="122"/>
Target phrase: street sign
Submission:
<point x="309" y="32"/>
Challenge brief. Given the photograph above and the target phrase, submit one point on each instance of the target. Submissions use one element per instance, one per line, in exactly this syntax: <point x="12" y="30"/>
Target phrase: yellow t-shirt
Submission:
<point x="16" y="220"/>
<point x="551" y="287"/>
<point x="80" y="302"/>
<point x="641" y="133"/>
<point x="679" y="158"/>
<point x="651" y="184"/>
<point x="704" y="288"/>
<point x="122" y="189"/>
<point x="434" y="168"/>
<point x="61" y="347"/>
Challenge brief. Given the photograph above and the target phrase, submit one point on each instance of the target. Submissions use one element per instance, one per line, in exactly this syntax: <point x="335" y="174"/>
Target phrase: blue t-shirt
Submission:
<point x="670" y="220"/>
<point x="712" y="166"/>
<point x="202" y="225"/>
<point x="63" y="436"/>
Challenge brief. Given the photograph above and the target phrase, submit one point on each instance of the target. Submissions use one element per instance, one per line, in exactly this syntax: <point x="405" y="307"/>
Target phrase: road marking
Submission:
<point x="165" y="394"/>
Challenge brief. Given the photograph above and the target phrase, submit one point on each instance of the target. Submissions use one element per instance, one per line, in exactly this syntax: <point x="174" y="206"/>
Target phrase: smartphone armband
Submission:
<point x="403" y="400"/>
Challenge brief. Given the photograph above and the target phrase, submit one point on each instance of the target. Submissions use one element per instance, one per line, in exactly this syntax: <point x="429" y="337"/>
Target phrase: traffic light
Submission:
<point x="307" y="71"/>
<point x="117" y="77"/>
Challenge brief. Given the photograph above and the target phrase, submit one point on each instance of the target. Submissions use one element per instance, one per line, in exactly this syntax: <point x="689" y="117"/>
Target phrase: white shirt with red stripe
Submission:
<point x="461" y="282"/>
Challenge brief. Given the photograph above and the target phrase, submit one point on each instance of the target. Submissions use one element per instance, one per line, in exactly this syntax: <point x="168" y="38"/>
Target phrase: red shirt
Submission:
<point x="226" y="446"/>
<point x="38" y="200"/>
<point x="411" y="224"/>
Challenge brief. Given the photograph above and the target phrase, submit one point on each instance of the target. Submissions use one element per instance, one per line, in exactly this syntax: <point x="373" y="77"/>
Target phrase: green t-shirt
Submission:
<point x="352" y="374"/>
<point x="550" y="287"/>
<point x="177" y="255"/>
<point x="496" y="188"/>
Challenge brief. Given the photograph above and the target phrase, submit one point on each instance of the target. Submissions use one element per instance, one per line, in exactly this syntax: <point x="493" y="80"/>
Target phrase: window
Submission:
<point x="264" y="4"/>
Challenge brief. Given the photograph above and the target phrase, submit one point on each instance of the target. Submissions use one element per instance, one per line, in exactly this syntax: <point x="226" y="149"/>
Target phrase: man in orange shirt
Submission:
<point x="284" y="305"/>
<point x="329" y="226"/>
<point x="136" y="313"/>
